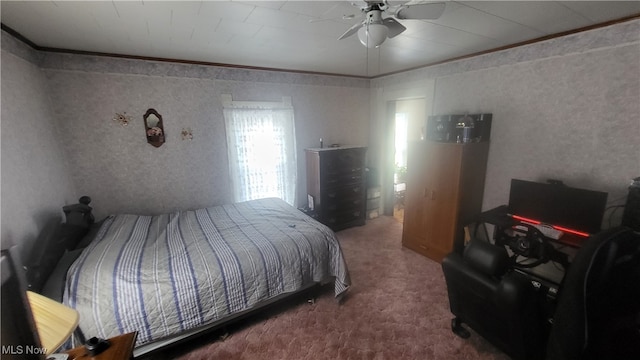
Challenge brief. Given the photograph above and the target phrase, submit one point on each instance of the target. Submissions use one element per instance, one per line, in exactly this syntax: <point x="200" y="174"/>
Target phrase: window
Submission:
<point x="261" y="147"/>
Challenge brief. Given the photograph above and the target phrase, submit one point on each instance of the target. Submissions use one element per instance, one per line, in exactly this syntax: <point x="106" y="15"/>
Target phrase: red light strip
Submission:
<point x="576" y="232"/>
<point x="522" y="218"/>
<point x="536" y="222"/>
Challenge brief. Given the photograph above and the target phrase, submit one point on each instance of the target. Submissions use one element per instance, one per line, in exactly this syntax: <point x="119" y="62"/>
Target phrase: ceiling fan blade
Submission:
<point x="425" y="11"/>
<point x="352" y="30"/>
<point x="395" y="28"/>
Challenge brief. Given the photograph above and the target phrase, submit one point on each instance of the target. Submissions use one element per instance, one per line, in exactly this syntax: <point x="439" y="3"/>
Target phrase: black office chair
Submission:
<point x="499" y="304"/>
<point x="598" y="310"/>
<point x="598" y="306"/>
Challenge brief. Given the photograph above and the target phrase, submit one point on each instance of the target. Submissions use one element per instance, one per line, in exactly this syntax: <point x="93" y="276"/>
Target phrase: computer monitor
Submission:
<point x="559" y="205"/>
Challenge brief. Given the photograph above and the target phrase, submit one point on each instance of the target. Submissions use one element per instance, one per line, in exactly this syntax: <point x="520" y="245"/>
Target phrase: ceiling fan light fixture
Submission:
<point x="373" y="35"/>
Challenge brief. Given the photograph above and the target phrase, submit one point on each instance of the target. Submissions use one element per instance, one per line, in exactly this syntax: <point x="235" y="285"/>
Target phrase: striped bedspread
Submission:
<point x="160" y="275"/>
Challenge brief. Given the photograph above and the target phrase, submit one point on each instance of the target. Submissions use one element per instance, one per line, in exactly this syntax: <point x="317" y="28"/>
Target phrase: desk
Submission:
<point x="120" y="348"/>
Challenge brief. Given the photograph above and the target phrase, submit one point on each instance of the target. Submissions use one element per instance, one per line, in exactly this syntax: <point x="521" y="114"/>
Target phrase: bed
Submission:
<point x="171" y="276"/>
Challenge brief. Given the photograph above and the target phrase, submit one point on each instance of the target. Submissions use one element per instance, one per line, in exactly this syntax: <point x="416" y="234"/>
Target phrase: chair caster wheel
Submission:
<point x="456" y="327"/>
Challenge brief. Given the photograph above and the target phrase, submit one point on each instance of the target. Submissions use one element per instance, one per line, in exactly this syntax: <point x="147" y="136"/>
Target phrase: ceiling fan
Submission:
<point x="374" y="29"/>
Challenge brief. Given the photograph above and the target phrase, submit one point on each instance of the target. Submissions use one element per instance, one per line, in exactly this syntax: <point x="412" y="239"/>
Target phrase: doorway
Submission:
<point x="400" y="165"/>
<point x="408" y="124"/>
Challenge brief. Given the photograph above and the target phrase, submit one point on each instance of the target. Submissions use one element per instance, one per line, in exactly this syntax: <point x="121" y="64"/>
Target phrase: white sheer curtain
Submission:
<point x="261" y="144"/>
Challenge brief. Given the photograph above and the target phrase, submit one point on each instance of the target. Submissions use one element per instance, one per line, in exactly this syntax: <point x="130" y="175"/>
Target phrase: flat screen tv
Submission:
<point x="559" y="205"/>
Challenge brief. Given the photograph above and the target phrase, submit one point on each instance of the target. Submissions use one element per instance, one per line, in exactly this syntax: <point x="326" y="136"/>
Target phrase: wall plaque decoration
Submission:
<point x="154" y="128"/>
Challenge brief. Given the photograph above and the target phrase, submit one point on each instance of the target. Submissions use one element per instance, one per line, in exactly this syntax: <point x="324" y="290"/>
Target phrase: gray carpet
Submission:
<point x="397" y="308"/>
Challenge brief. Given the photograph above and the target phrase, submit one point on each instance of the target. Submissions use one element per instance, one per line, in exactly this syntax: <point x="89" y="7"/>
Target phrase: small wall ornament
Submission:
<point x="186" y="134"/>
<point x="154" y="128"/>
<point x="123" y="119"/>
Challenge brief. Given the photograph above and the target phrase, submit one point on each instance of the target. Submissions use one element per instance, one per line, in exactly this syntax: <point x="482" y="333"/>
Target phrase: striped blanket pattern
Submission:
<point x="160" y="275"/>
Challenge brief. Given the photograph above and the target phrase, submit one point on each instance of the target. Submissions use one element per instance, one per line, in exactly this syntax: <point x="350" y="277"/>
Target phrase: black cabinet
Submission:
<point x="336" y="185"/>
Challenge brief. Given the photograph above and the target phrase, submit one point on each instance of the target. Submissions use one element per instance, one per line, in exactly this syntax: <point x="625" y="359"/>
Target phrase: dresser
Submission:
<point x="444" y="190"/>
<point x="336" y="186"/>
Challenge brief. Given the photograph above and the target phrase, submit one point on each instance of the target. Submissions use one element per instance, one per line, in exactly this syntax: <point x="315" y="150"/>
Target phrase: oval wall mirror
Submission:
<point x="154" y="128"/>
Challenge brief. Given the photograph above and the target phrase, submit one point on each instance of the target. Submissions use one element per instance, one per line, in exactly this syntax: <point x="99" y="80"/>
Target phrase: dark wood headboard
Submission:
<point x="55" y="239"/>
<point x="79" y="214"/>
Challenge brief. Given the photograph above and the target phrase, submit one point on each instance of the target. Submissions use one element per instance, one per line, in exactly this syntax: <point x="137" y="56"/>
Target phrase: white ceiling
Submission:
<point x="279" y="34"/>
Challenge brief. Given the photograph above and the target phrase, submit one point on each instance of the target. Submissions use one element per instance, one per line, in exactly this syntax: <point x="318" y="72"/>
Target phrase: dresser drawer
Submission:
<point x="342" y="204"/>
<point x="332" y="180"/>
<point x="343" y="193"/>
<point x="337" y="220"/>
<point x="343" y="162"/>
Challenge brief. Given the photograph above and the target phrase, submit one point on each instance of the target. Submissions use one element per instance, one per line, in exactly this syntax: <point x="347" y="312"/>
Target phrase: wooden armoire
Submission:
<point x="444" y="190"/>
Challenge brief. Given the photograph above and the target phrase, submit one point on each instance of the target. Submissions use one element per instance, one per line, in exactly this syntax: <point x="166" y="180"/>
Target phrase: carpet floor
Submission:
<point x="397" y="308"/>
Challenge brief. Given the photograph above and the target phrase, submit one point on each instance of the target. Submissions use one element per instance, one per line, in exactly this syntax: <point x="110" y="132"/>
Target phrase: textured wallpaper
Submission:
<point x="566" y="109"/>
<point x="35" y="178"/>
<point x="122" y="173"/>
<point x="573" y="118"/>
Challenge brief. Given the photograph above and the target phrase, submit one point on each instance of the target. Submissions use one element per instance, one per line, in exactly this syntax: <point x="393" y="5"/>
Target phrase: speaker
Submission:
<point x="483" y="126"/>
<point x="445" y="128"/>
<point x="441" y="128"/>
<point x="481" y="130"/>
<point x="631" y="215"/>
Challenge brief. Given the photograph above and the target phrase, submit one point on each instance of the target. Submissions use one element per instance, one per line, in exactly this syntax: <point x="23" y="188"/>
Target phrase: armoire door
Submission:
<point x="442" y="198"/>
<point x="415" y="205"/>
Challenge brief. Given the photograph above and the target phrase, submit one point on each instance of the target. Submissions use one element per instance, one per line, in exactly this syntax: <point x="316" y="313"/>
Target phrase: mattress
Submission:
<point x="166" y="274"/>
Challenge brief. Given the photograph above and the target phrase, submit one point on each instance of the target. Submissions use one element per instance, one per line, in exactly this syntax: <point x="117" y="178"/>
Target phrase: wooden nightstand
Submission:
<point x="121" y="348"/>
